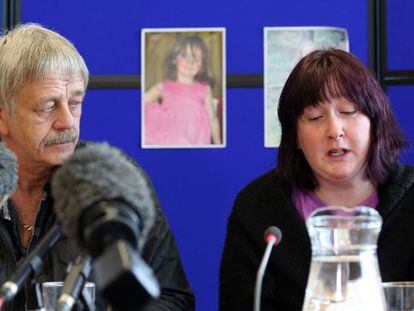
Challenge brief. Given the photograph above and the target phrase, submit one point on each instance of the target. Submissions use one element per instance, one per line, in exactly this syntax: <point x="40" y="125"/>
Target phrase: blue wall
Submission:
<point x="197" y="187"/>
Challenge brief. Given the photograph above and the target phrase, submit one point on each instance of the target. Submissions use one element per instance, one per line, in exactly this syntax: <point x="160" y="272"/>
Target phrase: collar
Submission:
<point x="4" y="211"/>
<point x="5" y="208"/>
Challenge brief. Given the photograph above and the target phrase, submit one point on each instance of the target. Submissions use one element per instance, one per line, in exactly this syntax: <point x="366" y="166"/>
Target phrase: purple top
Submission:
<point x="306" y="201"/>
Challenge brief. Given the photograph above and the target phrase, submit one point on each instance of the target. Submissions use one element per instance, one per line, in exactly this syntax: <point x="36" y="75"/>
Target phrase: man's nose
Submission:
<point x="64" y="118"/>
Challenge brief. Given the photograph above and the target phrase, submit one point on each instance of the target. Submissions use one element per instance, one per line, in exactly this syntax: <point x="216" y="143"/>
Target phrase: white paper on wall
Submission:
<point x="283" y="48"/>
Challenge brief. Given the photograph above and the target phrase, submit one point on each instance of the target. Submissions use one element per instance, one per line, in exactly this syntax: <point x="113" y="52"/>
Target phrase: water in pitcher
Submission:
<point x="344" y="273"/>
<point x="341" y="283"/>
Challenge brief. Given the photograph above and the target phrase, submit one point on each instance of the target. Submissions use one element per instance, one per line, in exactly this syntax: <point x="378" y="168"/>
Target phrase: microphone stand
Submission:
<point x="272" y="236"/>
<point x="87" y="299"/>
<point x="74" y="285"/>
<point x="260" y="273"/>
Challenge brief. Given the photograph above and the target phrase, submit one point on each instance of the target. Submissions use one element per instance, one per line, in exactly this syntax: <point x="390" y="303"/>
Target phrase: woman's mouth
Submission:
<point x="337" y="152"/>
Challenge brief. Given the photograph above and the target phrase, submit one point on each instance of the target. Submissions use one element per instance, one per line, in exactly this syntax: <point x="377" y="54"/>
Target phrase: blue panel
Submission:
<point x="196" y="187"/>
<point x="400" y="38"/>
<point x="402" y="98"/>
<point x="108" y="32"/>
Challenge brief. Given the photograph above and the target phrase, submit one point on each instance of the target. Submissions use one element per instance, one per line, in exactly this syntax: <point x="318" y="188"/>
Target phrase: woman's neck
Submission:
<point x="345" y="195"/>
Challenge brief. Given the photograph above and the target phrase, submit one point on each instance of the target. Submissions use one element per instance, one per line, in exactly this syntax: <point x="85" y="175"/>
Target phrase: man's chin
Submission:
<point x="61" y="152"/>
<point x="63" y="146"/>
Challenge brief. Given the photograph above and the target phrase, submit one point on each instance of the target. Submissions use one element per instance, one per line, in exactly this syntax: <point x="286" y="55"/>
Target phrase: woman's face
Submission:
<point x="189" y="62"/>
<point x="335" y="139"/>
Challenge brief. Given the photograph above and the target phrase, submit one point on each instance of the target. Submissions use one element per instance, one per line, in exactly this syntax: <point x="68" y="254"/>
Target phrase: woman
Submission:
<point x="340" y="144"/>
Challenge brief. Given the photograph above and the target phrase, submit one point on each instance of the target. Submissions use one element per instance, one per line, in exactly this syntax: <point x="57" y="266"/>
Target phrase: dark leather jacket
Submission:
<point x="160" y="252"/>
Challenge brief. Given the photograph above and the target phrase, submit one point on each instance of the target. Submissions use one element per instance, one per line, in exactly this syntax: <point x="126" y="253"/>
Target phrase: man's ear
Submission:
<point x="4" y="121"/>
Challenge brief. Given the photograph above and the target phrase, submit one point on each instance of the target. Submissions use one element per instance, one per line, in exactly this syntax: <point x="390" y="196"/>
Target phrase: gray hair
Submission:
<point x="28" y="53"/>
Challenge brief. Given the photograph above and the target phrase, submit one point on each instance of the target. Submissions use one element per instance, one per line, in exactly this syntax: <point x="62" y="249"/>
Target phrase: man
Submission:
<point x="42" y="84"/>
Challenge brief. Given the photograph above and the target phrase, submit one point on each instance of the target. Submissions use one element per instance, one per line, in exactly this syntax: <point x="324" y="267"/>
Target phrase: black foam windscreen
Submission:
<point x="8" y="171"/>
<point x="100" y="174"/>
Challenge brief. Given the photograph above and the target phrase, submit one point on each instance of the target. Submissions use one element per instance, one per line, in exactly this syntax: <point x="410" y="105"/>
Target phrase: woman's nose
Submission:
<point x="335" y="128"/>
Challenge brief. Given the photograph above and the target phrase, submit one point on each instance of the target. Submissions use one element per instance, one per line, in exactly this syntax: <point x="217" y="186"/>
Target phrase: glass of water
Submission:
<point x="399" y="295"/>
<point x="51" y="292"/>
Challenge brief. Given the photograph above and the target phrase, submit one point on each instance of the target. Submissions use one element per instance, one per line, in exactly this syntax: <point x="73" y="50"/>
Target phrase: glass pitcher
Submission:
<point x="344" y="273"/>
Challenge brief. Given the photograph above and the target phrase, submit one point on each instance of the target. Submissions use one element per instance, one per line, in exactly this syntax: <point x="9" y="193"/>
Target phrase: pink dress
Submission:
<point x="181" y="118"/>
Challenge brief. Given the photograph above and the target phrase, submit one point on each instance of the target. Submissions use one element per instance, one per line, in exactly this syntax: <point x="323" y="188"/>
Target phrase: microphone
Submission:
<point x="105" y="203"/>
<point x="30" y="265"/>
<point x="74" y="283"/>
<point x="8" y="173"/>
<point x="272" y="236"/>
<point x="8" y="180"/>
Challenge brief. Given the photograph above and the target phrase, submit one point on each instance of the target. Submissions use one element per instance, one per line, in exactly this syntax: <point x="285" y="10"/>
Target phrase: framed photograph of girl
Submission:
<point x="183" y="100"/>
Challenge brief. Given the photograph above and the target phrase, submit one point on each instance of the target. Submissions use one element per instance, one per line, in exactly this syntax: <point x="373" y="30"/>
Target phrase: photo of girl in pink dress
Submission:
<point x="179" y="110"/>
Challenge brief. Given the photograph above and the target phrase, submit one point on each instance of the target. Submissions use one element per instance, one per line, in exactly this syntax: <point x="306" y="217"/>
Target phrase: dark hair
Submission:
<point x="315" y="78"/>
<point x="180" y="46"/>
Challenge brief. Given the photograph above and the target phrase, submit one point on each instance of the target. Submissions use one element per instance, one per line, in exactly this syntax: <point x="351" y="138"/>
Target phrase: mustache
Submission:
<point x="64" y="137"/>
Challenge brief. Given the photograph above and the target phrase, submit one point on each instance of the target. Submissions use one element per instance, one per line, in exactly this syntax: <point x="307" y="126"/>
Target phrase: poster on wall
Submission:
<point x="283" y="48"/>
<point x="183" y="98"/>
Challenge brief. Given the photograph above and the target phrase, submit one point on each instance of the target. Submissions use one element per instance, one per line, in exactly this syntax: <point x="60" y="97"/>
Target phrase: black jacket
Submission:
<point x="160" y="252"/>
<point x="267" y="202"/>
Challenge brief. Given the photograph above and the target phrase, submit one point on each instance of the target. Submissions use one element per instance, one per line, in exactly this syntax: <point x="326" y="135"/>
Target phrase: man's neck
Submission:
<point x="33" y="178"/>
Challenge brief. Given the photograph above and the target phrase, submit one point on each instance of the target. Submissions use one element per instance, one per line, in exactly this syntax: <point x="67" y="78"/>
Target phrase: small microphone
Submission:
<point x="275" y="233"/>
<point x="272" y="236"/>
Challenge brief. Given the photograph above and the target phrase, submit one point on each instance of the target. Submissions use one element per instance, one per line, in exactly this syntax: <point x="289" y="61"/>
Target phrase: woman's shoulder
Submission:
<point x="402" y="174"/>
<point x="263" y="189"/>
<point x="264" y="181"/>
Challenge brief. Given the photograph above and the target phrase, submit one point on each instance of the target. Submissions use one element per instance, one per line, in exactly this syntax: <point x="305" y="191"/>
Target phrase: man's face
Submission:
<point x="44" y="129"/>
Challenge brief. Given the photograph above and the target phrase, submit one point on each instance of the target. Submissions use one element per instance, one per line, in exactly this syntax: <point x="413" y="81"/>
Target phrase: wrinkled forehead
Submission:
<point x="50" y="83"/>
<point x="60" y="65"/>
<point x="66" y="76"/>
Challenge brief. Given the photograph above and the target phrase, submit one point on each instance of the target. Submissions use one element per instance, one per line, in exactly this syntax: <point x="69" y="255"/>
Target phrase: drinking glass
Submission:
<point x="399" y="295"/>
<point x="51" y="292"/>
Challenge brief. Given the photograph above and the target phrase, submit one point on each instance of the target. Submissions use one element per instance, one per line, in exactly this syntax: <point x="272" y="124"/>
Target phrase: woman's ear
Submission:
<point x="298" y="145"/>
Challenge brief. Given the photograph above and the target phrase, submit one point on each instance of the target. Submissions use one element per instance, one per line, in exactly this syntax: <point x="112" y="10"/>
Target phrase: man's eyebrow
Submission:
<point x="50" y="97"/>
<point x="78" y="93"/>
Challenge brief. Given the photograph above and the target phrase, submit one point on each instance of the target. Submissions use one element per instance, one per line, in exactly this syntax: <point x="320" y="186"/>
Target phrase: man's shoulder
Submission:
<point x="82" y="144"/>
